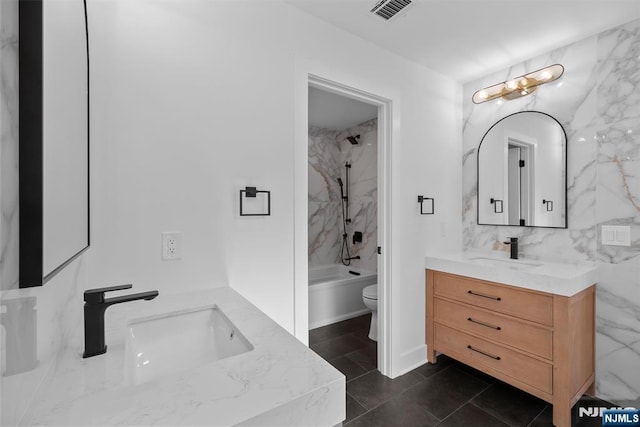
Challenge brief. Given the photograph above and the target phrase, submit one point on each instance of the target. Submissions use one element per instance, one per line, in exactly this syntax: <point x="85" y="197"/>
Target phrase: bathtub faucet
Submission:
<point x="353" y="257"/>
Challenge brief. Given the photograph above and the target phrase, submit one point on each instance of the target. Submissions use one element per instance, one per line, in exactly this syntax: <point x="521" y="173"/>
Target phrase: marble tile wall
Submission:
<point x="363" y="192"/>
<point x="9" y="144"/>
<point x="325" y="215"/>
<point x="597" y="101"/>
<point x="328" y="152"/>
<point x="36" y="324"/>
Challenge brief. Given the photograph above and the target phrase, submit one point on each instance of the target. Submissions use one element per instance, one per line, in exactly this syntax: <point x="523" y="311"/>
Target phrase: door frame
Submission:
<point x="304" y="80"/>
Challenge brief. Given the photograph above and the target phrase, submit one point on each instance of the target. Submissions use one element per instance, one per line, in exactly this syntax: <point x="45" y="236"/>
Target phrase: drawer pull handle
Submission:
<point x="497" y="328"/>
<point x="484" y="296"/>
<point x="483" y="353"/>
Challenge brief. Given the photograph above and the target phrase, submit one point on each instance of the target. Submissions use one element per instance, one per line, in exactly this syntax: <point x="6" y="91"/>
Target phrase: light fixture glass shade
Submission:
<point x="519" y="86"/>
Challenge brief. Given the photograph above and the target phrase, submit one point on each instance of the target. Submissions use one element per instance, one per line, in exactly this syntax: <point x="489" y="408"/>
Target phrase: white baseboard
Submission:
<point x="340" y="318"/>
<point x="409" y="360"/>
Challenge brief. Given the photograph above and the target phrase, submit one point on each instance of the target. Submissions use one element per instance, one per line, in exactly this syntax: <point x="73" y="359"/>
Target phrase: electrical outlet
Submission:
<point x="171" y="245"/>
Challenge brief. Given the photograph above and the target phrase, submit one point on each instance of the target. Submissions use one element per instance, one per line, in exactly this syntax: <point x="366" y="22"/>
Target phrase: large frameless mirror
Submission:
<point x="522" y="172"/>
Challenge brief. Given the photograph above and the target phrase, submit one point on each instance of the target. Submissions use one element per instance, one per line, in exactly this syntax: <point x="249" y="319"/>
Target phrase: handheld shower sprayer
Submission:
<point x="341" y="188"/>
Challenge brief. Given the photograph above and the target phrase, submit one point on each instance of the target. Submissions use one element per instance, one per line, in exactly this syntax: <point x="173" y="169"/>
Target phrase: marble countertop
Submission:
<point x="279" y="382"/>
<point x="564" y="279"/>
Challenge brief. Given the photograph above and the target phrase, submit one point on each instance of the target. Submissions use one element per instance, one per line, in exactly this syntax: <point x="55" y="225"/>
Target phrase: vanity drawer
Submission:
<point x="480" y="353"/>
<point x="503" y="329"/>
<point x="528" y="305"/>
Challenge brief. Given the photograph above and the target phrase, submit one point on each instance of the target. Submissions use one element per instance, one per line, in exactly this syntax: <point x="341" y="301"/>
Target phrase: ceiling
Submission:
<point x="468" y="39"/>
<point x="330" y="111"/>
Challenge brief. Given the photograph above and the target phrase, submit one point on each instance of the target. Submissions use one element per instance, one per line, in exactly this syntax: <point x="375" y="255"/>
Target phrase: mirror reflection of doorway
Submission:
<point x="513" y="185"/>
<point x="520" y="190"/>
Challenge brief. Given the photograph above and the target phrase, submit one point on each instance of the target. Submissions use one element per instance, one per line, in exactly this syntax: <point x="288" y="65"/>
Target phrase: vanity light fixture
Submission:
<point x="519" y="86"/>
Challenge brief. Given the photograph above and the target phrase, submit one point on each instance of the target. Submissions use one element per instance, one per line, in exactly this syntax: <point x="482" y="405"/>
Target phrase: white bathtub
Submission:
<point x="335" y="294"/>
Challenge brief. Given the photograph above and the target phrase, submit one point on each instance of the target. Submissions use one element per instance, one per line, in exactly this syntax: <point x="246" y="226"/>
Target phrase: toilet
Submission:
<point x="370" y="299"/>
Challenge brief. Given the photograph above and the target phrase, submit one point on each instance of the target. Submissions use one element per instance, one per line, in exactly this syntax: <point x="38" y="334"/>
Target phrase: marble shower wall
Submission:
<point x="36" y="324"/>
<point x="329" y="150"/>
<point x="363" y="192"/>
<point x="597" y="100"/>
<point x="325" y="220"/>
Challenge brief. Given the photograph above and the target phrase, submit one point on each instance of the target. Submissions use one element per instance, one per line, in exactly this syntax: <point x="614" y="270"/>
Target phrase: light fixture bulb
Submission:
<point x="545" y="75"/>
<point x="483" y="94"/>
<point x="512" y="84"/>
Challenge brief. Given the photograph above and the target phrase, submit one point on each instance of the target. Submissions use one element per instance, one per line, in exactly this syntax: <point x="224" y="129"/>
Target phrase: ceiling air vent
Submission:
<point x="387" y="9"/>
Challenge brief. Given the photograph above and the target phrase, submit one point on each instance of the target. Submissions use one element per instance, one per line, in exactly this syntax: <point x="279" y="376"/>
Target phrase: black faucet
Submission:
<point x="513" y="244"/>
<point x="95" y="305"/>
<point x="353" y="257"/>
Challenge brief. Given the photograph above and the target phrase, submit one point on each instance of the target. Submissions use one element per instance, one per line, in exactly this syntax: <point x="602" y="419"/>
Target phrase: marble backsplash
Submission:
<point x="37" y="325"/>
<point x="329" y="150"/>
<point x="598" y="102"/>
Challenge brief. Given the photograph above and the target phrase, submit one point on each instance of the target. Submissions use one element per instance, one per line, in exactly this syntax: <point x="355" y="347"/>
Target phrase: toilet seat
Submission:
<point x="370" y="292"/>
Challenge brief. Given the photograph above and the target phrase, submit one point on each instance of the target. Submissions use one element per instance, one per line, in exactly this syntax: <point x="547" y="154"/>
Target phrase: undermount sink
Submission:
<point x="169" y="343"/>
<point x="504" y="263"/>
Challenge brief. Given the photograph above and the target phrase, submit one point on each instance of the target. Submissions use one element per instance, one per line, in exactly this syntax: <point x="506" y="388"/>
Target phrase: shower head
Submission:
<point x="340" y="182"/>
<point x="353" y="139"/>
<point x="341" y="188"/>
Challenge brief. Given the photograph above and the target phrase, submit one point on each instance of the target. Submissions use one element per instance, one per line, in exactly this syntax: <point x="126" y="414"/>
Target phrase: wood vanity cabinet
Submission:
<point x="539" y="342"/>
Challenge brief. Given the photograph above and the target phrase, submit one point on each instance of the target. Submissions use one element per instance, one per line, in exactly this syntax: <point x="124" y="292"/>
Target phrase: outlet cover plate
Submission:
<point x="616" y="235"/>
<point x="171" y="245"/>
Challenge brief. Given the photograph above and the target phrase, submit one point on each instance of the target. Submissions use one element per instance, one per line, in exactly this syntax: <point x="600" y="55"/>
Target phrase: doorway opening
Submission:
<point x="346" y="221"/>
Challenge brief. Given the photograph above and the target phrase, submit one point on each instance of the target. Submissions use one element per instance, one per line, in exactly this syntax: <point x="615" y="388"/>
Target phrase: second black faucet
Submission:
<point x="513" y="245"/>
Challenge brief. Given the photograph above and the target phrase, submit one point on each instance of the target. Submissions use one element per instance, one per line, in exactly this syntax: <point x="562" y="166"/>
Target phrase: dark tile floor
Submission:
<point x="446" y="394"/>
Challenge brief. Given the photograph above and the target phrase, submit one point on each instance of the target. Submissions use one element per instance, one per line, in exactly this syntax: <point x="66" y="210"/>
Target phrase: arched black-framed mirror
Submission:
<point x="53" y="137"/>
<point x="522" y="172"/>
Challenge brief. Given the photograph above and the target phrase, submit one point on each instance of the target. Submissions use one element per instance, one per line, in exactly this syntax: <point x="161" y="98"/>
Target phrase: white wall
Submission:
<point x="423" y="157"/>
<point x="194" y="100"/>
